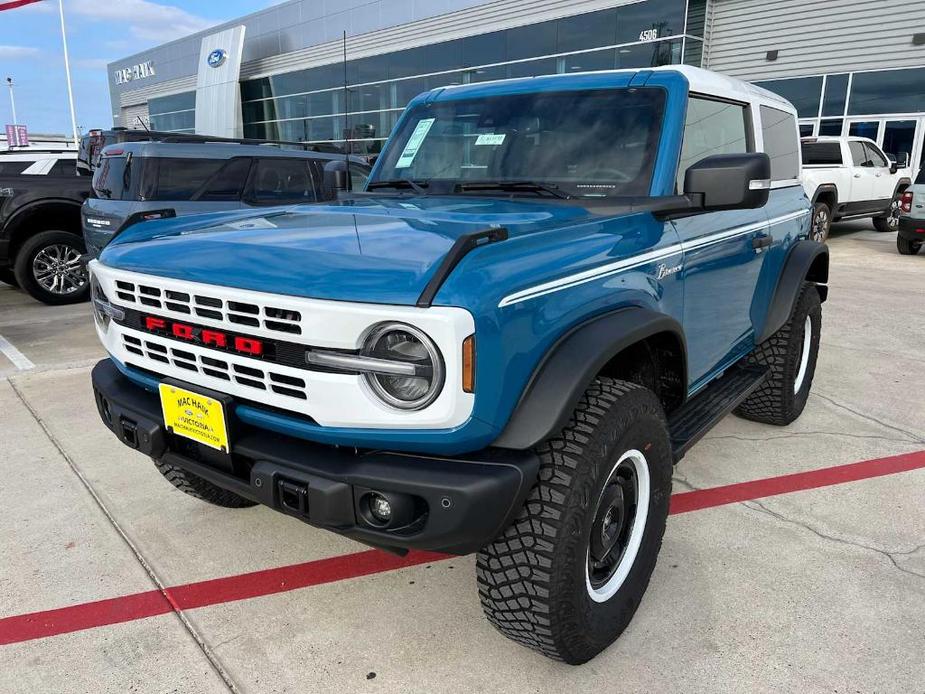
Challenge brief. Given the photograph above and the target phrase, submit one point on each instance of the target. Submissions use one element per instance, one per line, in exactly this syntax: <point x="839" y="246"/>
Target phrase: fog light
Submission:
<point x="380" y="508"/>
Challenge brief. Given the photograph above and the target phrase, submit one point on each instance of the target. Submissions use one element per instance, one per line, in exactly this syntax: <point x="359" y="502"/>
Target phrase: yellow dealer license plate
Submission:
<point x="194" y="416"/>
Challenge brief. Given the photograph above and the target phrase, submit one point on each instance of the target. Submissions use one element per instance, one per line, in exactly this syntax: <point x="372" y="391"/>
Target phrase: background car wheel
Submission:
<point x="195" y="486"/>
<point x="8" y="276"/>
<point x="890" y="222"/>
<point x="48" y="268"/>
<point x="822" y="222"/>
<point x="790" y="354"/>
<point x="568" y="574"/>
<point x="904" y="246"/>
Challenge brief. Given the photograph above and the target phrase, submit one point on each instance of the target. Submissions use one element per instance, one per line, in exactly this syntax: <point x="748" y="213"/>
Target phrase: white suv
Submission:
<point x="851" y="178"/>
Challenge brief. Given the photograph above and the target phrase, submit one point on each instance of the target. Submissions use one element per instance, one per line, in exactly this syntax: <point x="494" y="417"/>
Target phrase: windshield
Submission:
<point x="586" y="143"/>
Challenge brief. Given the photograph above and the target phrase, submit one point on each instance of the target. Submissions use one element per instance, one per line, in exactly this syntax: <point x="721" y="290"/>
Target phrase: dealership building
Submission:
<point x="850" y="67"/>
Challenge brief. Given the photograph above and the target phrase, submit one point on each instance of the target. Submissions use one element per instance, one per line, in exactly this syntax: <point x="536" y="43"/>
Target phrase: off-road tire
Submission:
<point x="8" y="276"/>
<point x="532" y="578"/>
<point x="890" y="221"/>
<point x="821" y="223"/>
<point x="23" y="267"/>
<point x="903" y="245"/>
<point x="195" y="486"/>
<point x="776" y="401"/>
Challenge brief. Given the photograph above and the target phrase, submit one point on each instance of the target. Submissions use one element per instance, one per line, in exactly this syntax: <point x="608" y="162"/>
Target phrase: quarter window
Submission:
<point x="712" y="127"/>
<point x="180" y="179"/>
<point x="227" y="183"/>
<point x="779" y="130"/>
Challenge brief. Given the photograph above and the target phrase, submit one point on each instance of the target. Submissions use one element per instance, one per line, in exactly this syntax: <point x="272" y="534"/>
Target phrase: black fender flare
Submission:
<point x="20" y="212"/>
<point x="826" y="188"/>
<point x="806" y="261"/>
<point x="564" y="373"/>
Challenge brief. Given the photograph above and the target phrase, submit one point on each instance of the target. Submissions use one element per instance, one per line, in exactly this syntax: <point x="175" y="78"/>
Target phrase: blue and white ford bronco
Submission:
<point x="549" y="291"/>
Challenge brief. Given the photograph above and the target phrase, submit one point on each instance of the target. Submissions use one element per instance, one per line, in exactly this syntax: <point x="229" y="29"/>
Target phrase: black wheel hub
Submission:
<point x="613" y="523"/>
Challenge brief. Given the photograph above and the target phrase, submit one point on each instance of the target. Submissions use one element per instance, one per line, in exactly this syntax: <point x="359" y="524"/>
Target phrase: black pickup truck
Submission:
<point x="40" y="236"/>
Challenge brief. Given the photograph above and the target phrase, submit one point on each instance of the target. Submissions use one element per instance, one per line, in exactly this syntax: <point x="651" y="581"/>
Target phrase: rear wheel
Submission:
<point x="195" y="486"/>
<point x="48" y="267"/>
<point x="566" y="577"/>
<point x="889" y="222"/>
<point x="907" y="246"/>
<point x="790" y="355"/>
<point x="822" y="222"/>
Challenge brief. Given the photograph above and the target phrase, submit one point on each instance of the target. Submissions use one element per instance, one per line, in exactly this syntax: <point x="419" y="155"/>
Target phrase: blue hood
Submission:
<point x="368" y="249"/>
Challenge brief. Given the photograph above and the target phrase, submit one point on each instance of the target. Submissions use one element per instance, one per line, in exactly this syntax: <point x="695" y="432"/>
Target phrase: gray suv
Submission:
<point x="139" y="181"/>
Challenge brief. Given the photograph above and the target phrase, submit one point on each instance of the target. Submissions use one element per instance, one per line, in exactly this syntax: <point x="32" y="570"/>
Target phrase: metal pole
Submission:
<point x="67" y="70"/>
<point x="9" y="81"/>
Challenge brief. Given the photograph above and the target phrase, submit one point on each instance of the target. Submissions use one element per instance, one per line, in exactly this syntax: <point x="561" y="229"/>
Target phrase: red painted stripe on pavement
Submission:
<point x="800" y="481"/>
<point x="128" y="608"/>
<point x="151" y="603"/>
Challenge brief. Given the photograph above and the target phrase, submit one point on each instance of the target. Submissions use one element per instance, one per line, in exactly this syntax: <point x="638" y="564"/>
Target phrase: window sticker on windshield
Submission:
<point x="414" y="143"/>
<point x="490" y="139"/>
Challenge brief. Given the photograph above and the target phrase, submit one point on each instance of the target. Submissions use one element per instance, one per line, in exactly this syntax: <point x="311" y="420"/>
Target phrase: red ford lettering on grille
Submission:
<point x="206" y="337"/>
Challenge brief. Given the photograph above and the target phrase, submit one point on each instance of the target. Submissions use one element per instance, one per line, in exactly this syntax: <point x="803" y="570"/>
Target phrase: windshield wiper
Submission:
<point x="515" y="186"/>
<point x="416" y="186"/>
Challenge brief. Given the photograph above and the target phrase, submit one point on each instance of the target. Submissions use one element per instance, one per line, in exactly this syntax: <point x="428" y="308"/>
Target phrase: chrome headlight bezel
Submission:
<point x="372" y="377"/>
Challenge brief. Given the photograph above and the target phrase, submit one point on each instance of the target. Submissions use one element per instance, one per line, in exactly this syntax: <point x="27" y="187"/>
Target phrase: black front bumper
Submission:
<point x="912" y="229"/>
<point x="448" y="504"/>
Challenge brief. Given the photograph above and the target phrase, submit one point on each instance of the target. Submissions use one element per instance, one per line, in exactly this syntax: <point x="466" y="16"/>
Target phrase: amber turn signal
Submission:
<point x="468" y="364"/>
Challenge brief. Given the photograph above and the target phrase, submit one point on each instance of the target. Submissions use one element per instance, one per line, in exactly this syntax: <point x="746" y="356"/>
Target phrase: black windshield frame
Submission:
<point x="589" y="143"/>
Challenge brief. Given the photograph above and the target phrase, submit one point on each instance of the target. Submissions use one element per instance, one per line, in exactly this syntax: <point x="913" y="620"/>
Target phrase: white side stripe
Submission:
<point x="20" y="360"/>
<point x="629" y="263"/>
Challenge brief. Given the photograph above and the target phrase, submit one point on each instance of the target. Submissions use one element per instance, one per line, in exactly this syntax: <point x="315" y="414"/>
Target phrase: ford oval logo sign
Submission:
<point x="217" y="57"/>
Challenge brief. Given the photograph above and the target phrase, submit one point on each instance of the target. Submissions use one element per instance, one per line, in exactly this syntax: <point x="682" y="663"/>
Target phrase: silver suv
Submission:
<point x="139" y="181"/>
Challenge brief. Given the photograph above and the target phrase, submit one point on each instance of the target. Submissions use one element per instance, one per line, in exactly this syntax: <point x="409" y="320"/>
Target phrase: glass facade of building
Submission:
<point x="886" y="106"/>
<point x="312" y="105"/>
<point x="174" y="113"/>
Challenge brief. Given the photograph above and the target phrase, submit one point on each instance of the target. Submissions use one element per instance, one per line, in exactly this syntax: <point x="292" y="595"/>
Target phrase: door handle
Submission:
<point x="857" y="175"/>
<point x="760" y="242"/>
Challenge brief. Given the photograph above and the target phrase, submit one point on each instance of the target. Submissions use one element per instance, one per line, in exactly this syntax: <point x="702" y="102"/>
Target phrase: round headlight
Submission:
<point x="97" y="295"/>
<point x="411" y="373"/>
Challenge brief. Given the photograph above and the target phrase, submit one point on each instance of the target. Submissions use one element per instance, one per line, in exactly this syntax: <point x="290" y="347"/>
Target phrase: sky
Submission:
<point x="98" y="31"/>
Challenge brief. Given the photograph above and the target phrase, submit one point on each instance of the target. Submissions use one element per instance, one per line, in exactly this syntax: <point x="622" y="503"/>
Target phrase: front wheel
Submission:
<point x="907" y="246"/>
<point x="566" y="577"/>
<point x="889" y="222"/>
<point x="48" y="267"/>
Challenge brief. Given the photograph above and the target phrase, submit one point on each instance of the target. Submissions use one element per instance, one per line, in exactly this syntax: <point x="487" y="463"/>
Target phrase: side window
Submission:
<point x="780" y="143"/>
<point x="228" y="182"/>
<point x="180" y="179"/>
<point x="281" y="181"/>
<point x="63" y="167"/>
<point x="822" y="154"/>
<point x="859" y="154"/>
<point x="876" y="156"/>
<point x="712" y="127"/>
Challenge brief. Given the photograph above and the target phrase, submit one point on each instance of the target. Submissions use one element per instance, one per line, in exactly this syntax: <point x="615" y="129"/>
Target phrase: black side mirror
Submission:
<point x="336" y="178"/>
<point x="902" y="159"/>
<point x="729" y="181"/>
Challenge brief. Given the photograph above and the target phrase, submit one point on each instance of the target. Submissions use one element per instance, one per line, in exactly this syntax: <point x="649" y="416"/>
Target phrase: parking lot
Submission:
<point x="794" y="558"/>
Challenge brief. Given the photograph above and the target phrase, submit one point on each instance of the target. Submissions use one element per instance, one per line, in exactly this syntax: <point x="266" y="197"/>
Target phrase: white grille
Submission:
<point x="247" y="314"/>
<point x="218" y="366"/>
